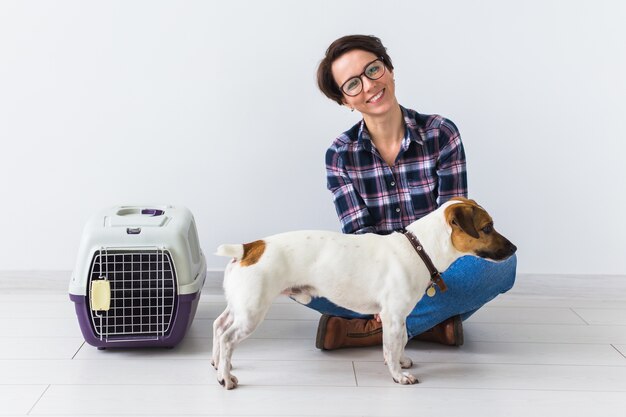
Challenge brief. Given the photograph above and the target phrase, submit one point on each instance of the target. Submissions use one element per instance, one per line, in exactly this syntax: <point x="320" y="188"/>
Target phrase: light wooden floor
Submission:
<point x="553" y="346"/>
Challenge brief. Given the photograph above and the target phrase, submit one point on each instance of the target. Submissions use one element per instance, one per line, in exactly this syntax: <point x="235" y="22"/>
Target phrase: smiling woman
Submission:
<point x="376" y="84"/>
<point x="325" y="77"/>
<point x="390" y="169"/>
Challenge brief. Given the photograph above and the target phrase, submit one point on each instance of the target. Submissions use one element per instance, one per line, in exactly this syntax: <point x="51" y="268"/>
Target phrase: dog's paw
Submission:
<point x="406" y="379"/>
<point x="229" y="382"/>
<point x="406" y="362"/>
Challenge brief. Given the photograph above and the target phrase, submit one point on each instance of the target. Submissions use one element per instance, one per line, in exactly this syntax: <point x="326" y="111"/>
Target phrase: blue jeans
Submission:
<point x="471" y="281"/>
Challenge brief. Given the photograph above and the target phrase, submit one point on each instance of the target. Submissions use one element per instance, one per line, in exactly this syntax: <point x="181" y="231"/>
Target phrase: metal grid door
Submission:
<point x="143" y="294"/>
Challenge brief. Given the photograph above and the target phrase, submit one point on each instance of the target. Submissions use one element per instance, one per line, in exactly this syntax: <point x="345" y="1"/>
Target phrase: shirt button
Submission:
<point x="398" y="210"/>
<point x="393" y="183"/>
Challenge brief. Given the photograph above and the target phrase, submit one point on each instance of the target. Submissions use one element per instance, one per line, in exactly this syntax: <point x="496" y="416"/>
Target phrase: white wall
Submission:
<point x="214" y="105"/>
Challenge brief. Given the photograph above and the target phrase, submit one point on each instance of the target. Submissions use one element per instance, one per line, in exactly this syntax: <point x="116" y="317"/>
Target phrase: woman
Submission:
<point x="388" y="170"/>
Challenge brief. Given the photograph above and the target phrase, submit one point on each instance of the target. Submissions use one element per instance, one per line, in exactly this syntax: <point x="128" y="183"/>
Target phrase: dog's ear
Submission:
<point x="463" y="218"/>
<point x="465" y="200"/>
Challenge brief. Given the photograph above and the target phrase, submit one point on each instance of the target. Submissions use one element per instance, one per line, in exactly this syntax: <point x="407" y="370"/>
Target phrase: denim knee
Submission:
<point x="325" y="306"/>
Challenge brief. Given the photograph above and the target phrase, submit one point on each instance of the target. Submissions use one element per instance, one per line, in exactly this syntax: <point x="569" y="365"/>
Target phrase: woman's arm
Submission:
<point x="351" y="210"/>
<point x="451" y="166"/>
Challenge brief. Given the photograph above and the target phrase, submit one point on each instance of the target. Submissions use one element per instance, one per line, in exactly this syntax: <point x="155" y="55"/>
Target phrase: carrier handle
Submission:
<point x="101" y="295"/>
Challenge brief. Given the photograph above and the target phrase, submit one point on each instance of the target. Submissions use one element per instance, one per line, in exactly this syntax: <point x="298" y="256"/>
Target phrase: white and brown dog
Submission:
<point x="369" y="274"/>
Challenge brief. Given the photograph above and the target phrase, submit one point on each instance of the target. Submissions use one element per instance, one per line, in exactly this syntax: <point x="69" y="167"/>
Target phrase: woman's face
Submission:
<point x="377" y="96"/>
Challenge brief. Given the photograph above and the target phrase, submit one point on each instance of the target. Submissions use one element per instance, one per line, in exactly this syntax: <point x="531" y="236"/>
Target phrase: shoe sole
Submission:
<point x="321" y="332"/>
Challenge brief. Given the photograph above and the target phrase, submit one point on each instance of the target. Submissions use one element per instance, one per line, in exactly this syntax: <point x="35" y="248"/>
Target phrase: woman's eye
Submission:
<point x="373" y="70"/>
<point x="352" y="84"/>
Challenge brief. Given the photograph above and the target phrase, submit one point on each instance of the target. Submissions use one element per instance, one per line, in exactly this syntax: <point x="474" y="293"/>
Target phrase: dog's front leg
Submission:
<point x="405" y="361"/>
<point x="394" y="339"/>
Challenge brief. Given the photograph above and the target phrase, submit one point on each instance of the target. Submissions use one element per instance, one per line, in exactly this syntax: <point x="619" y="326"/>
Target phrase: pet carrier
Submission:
<point x="138" y="277"/>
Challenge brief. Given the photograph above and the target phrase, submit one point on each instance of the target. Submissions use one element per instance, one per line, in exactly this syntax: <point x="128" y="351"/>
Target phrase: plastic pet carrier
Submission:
<point x="138" y="277"/>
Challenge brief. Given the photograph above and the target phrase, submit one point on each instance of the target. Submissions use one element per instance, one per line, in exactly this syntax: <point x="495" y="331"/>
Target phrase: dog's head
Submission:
<point x="473" y="232"/>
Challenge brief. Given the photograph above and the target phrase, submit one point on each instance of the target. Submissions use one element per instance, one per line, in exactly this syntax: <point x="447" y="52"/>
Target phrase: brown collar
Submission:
<point x="435" y="276"/>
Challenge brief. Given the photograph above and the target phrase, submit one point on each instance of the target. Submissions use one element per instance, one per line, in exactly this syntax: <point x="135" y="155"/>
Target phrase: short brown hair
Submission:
<point x="325" y="80"/>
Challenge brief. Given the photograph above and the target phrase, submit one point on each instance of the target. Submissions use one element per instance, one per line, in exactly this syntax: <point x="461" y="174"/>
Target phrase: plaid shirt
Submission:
<point x="371" y="196"/>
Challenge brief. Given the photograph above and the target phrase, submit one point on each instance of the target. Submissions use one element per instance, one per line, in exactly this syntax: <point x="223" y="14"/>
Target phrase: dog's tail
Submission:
<point x="233" y="251"/>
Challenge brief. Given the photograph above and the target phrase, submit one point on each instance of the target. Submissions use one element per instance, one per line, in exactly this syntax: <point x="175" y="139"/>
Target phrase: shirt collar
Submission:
<point x="413" y="132"/>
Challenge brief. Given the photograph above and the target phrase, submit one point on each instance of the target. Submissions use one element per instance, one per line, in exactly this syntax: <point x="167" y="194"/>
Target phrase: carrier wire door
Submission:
<point x="142" y="294"/>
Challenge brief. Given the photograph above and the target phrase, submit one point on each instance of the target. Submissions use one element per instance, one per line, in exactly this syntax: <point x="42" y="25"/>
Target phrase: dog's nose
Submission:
<point x="506" y="251"/>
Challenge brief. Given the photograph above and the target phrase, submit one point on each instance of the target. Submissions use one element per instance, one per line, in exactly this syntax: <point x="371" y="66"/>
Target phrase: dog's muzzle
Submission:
<point x="504" y="252"/>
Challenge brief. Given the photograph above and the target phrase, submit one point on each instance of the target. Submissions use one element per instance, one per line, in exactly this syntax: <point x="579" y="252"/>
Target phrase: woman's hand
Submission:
<point x="377" y="317"/>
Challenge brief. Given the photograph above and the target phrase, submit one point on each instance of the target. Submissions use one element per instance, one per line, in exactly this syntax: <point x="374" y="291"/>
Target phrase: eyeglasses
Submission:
<point x="374" y="70"/>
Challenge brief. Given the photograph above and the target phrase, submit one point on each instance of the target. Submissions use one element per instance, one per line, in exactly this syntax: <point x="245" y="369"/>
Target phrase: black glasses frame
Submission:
<point x="382" y="61"/>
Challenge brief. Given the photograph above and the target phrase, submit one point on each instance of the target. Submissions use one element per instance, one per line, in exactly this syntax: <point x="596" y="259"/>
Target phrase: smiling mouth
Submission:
<point x="377" y="97"/>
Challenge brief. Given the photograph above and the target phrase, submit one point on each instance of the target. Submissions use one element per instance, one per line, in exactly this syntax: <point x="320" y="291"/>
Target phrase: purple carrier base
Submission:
<point x="185" y="311"/>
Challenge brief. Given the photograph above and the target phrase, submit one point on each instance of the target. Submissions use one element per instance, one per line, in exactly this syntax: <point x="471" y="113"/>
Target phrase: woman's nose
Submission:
<point x="368" y="84"/>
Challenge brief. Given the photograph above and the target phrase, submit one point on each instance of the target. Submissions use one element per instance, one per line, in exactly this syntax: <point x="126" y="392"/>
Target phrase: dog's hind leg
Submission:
<point x="223" y="322"/>
<point x="394" y="340"/>
<point x="243" y="325"/>
<point x="226" y="342"/>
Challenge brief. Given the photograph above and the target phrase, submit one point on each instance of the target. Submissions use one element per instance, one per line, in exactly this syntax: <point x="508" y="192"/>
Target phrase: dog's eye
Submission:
<point x="487" y="229"/>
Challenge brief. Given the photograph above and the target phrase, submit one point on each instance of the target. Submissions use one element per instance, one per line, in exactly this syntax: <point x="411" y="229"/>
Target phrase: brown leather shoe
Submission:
<point x="336" y="332"/>
<point x="448" y="332"/>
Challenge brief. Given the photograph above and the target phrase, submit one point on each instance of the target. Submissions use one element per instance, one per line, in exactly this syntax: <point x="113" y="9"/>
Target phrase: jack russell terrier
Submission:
<point x="368" y="273"/>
